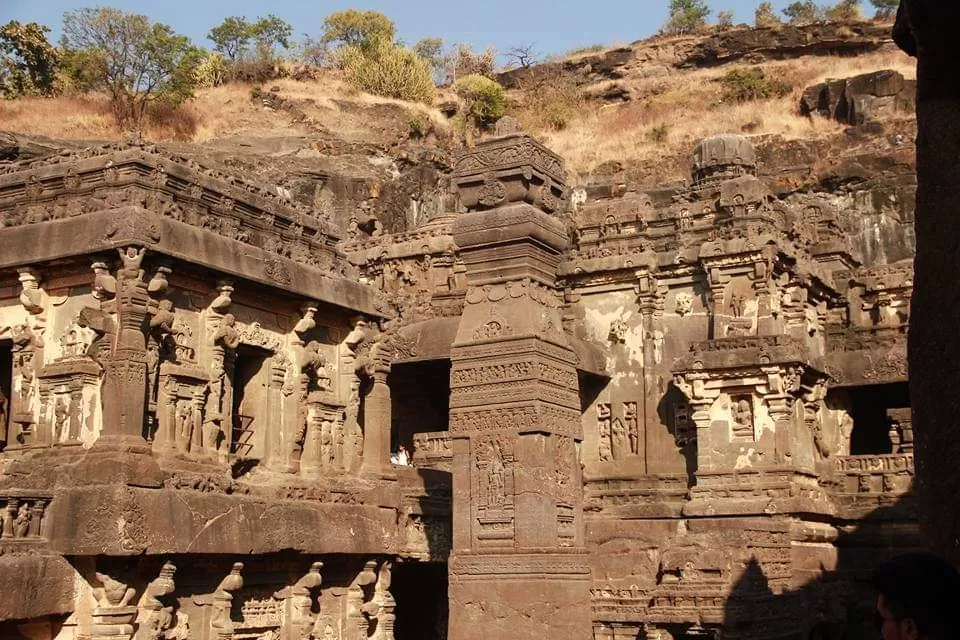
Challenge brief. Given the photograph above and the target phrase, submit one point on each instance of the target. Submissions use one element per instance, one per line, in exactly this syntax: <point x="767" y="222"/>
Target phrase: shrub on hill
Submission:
<point x="389" y="70"/>
<point x="686" y="16"/>
<point x="746" y="85"/>
<point x="765" y="17"/>
<point x="486" y="101"/>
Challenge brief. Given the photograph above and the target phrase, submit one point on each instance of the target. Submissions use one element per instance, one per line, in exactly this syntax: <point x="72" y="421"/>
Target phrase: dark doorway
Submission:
<point x="420" y="589"/>
<point x="420" y="394"/>
<point x="871" y="426"/>
<point x="250" y="380"/>
<point x="6" y="389"/>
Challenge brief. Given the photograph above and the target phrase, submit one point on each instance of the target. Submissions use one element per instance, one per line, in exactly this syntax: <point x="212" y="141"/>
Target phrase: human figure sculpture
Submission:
<point x="162" y="320"/>
<point x="22" y="523"/>
<point x="227" y="334"/>
<point x="131" y="258"/>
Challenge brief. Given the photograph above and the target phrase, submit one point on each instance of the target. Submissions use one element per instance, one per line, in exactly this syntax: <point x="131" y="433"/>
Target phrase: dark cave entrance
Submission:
<point x="420" y="589"/>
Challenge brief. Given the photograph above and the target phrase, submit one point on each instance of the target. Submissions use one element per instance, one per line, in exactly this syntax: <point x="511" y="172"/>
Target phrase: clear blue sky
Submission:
<point x="552" y="26"/>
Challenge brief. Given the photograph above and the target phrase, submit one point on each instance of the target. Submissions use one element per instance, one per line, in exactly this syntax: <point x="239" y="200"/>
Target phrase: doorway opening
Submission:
<point x="250" y="384"/>
<point x="420" y="589"/>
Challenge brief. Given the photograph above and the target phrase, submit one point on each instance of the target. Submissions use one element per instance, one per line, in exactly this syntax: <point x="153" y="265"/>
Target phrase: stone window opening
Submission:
<point x="871" y="433"/>
<point x="420" y="404"/>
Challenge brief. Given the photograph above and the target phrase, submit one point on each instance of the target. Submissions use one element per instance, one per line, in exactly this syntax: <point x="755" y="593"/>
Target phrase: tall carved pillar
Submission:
<point x="518" y="568"/>
<point x="377" y="416"/>
<point x="926" y="28"/>
<point x="125" y="370"/>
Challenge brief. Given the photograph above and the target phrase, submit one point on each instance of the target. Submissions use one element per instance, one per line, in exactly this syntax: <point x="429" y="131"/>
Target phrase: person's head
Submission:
<point x="917" y="597"/>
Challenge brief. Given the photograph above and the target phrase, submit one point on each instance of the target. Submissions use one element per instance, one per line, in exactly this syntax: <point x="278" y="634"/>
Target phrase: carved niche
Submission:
<point x="494" y="487"/>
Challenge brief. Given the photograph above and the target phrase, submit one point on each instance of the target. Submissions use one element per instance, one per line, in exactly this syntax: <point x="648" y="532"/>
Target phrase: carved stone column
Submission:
<point x="377" y="417"/>
<point x="518" y="555"/>
<point x="323" y="442"/>
<point x="297" y="601"/>
<point x="125" y="370"/>
<point x="926" y="28"/>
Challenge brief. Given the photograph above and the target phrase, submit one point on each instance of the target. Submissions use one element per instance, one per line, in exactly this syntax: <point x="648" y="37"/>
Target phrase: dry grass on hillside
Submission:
<point x="670" y="114"/>
<point x="218" y="112"/>
<point x="214" y="113"/>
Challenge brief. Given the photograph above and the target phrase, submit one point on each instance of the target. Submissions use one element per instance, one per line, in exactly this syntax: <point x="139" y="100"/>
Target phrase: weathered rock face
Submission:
<point x="657" y="56"/>
<point x="924" y="29"/>
<point x="861" y="99"/>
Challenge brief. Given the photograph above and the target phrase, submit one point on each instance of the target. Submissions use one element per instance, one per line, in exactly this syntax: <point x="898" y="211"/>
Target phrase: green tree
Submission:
<point x="765" y="18"/>
<point x="803" y="12"/>
<point x="885" y="8"/>
<point x="687" y="16"/>
<point x="234" y="35"/>
<point x="431" y="50"/>
<point x="136" y="61"/>
<point x="231" y="37"/>
<point x="354" y="28"/>
<point x="387" y="69"/>
<point x="845" y="11"/>
<point x="28" y="62"/>
<point x="485" y="100"/>
<point x="269" y="33"/>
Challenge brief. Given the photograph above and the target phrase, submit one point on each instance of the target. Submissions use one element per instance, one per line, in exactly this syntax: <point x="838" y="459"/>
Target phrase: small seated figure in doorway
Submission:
<point x="400" y="457"/>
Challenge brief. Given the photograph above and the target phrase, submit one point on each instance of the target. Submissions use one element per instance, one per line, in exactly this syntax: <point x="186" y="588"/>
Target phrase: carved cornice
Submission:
<point x="173" y="186"/>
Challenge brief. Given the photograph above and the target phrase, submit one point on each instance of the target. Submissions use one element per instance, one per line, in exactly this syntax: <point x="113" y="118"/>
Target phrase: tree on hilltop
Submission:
<point x="724" y="20"/>
<point x="686" y="16"/>
<point x="234" y="35"/>
<point x="28" y="62"/>
<point x="354" y="28"/>
<point x="136" y="61"/>
<point x="231" y="37"/>
<point x="803" y="12"/>
<point x="431" y="50"/>
<point x="765" y="17"/>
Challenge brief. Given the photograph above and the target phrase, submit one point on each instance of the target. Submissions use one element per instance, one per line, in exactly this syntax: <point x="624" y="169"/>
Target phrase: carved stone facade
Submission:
<point x="678" y="414"/>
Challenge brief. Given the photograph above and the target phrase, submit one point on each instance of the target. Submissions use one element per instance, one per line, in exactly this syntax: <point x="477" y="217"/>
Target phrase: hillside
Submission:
<point x="623" y="118"/>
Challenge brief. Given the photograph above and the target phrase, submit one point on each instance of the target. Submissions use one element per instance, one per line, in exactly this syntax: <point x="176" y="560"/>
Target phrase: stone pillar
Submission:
<point x="376" y="423"/>
<point x="320" y="443"/>
<point x="518" y="568"/>
<point x="926" y="28"/>
<point x="124" y="391"/>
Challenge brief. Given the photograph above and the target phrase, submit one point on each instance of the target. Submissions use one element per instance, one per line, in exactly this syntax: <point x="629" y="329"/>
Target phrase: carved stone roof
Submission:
<point x="727" y="154"/>
<point x="73" y="183"/>
<point x="103" y="197"/>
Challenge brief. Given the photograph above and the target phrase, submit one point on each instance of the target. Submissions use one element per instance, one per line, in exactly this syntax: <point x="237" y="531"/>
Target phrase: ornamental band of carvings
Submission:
<point x="511" y="153"/>
<point x="522" y="418"/>
<point x="875" y="463"/>
<point x="513" y="371"/>
<point x="555" y="564"/>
